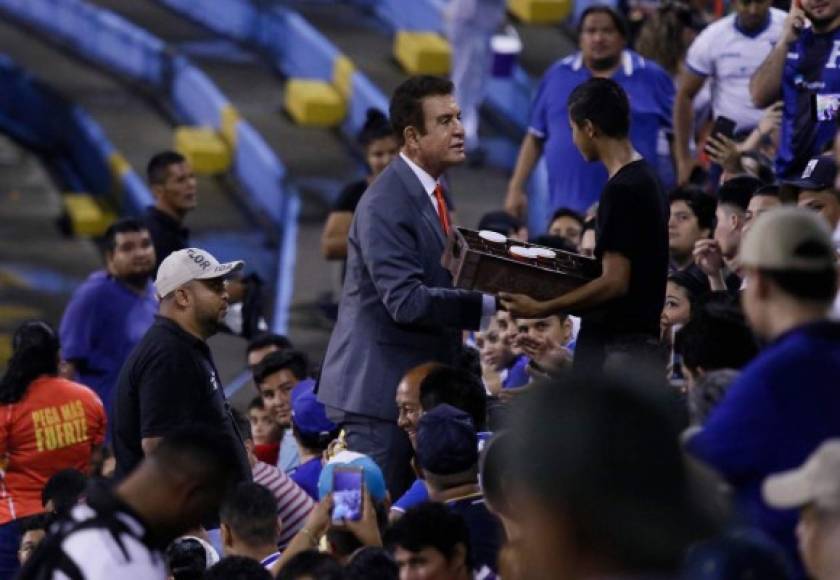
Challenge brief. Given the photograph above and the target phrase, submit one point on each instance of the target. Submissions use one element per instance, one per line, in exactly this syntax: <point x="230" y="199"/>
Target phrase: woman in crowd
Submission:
<point x="47" y="424"/>
<point x="380" y="146"/>
<point x="683" y="289"/>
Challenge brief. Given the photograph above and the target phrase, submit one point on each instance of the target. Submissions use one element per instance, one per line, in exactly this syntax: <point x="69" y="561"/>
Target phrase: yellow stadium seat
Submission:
<point x="204" y="148"/>
<point x="313" y="103"/>
<point x="540" y="11"/>
<point x="87" y="215"/>
<point x="422" y="52"/>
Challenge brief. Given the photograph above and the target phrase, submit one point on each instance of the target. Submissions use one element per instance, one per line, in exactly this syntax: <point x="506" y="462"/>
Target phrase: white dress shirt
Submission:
<point x="429" y="183"/>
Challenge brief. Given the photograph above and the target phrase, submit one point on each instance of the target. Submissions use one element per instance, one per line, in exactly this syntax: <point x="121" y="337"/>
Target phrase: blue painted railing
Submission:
<point x="68" y="139"/>
<point x="113" y="43"/>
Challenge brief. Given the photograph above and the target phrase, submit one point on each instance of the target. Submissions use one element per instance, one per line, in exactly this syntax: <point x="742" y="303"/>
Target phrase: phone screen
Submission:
<point x="347" y="494"/>
<point x="825" y="107"/>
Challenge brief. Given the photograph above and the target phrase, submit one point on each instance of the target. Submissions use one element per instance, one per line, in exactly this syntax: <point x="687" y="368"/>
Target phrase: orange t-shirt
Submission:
<point x="54" y="426"/>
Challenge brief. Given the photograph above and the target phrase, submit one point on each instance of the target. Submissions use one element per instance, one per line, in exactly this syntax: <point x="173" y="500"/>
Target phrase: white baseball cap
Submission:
<point x="789" y="238"/>
<point x="191" y="264"/>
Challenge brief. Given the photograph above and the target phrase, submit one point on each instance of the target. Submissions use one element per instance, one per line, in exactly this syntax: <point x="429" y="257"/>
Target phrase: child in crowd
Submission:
<point x="265" y="431"/>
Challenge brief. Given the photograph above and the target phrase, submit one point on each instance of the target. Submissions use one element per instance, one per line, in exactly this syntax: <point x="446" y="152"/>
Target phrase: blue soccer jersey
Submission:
<point x="811" y="68"/>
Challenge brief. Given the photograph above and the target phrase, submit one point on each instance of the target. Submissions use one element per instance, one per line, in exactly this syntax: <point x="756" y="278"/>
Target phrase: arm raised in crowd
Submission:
<point x="516" y="201"/>
<point x="766" y="83"/>
<point x="688" y="87"/>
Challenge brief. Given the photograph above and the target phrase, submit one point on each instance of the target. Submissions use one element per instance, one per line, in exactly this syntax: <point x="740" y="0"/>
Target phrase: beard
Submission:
<point x="819" y="23"/>
<point x="605" y="63"/>
<point x="138" y="280"/>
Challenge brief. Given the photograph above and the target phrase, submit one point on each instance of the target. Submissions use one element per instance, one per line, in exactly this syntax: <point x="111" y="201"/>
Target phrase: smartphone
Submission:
<point x="825" y="107"/>
<point x="723" y="126"/>
<point x="348" y="484"/>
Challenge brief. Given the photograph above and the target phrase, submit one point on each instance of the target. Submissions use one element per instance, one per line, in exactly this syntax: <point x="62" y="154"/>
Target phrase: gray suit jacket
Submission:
<point x="398" y="308"/>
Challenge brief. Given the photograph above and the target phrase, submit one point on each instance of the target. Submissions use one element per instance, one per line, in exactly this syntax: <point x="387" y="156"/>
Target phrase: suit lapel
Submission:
<point x="420" y="198"/>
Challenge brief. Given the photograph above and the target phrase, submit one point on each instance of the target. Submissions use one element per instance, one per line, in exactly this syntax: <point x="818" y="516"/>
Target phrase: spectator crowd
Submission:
<point x="677" y="416"/>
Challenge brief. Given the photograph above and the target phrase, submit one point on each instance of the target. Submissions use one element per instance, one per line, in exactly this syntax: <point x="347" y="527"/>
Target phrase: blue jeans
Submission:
<point x="9" y="543"/>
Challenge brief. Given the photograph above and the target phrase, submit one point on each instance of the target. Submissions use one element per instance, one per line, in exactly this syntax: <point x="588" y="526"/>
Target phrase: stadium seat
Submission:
<point x="87" y="216"/>
<point x="540" y="11"/>
<point x="422" y="52"/>
<point x="313" y="103"/>
<point x="204" y="148"/>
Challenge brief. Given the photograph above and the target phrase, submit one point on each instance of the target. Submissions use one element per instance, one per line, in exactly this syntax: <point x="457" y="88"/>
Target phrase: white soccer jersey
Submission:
<point x="729" y="57"/>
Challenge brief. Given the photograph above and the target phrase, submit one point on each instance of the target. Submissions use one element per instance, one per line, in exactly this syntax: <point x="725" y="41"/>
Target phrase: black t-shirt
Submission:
<point x="168" y="235"/>
<point x="633" y="221"/>
<point x="486" y="533"/>
<point x="169" y="381"/>
<point x="349" y="197"/>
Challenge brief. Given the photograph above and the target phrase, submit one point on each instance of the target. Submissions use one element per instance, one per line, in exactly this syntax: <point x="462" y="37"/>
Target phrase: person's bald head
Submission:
<point x="408" y="398"/>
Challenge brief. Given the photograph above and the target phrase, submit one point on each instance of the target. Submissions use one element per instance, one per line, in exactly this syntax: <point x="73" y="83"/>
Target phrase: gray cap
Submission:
<point x="191" y="264"/>
<point x="817" y="481"/>
<point x="789" y="239"/>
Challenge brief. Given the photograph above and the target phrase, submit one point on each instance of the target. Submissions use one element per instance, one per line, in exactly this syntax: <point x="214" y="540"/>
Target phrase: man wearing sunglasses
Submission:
<point x="170" y="379"/>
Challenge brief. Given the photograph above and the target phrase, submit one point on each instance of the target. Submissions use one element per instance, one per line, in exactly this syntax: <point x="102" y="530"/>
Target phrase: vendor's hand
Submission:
<point x="521" y="306"/>
<point x="724" y="151"/>
<point x="708" y="256"/>
<point x="366" y="529"/>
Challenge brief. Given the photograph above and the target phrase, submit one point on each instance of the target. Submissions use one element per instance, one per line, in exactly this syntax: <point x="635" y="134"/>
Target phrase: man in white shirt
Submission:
<point x="727" y="53"/>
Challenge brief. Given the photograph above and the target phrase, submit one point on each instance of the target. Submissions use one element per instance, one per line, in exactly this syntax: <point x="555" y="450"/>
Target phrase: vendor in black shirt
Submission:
<point x="170" y="379"/>
<point x="620" y="308"/>
<point x="174" y="186"/>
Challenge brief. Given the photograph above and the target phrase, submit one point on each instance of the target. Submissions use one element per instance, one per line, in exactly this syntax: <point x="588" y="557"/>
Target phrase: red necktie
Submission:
<point x="443" y="213"/>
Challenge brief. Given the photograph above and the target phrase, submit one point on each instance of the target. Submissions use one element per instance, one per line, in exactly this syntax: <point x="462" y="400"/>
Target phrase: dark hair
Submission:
<point x="121" y="226"/>
<point x="716" y="337"/>
<point x="430" y="525"/>
<point x="376" y="127"/>
<point x="499" y="221"/>
<point x="267" y="339"/>
<point x="770" y="190"/>
<point x="315" y="441"/>
<point x="64" y="488"/>
<point x="611" y="464"/>
<point x="566" y="212"/>
<point x="202" y="454"/>
<point x="256" y="403"/>
<point x="456" y="387"/>
<point x="158" y="168"/>
<point x="311" y="565"/>
<point x="693" y="281"/>
<point x="35" y="348"/>
<point x="738" y="191"/>
<point x="617" y="19"/>
<point x="237" y="568"/>
<point x="344" y="542"/>
<point x="604" y="103"/>
<point x="406" y="109"/>
<point x="250" y="511"/>
<point x="820" y="286"/>
<point x="555" y="242"/>
<point x="186" y="559"/>
<point x="292" y="360"/>
<point x="371" y="563"/>
<point x="468" y="359"/>
<point x="36" y="522"/>
<point x="701" y="204"/>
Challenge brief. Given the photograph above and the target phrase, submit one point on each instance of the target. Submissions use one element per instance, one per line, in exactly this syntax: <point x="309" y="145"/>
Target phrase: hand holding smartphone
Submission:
<point x="347" y="494"/>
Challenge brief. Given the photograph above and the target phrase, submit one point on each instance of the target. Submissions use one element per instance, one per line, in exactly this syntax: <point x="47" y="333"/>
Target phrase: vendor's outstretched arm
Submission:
<point x="612" y="283"/>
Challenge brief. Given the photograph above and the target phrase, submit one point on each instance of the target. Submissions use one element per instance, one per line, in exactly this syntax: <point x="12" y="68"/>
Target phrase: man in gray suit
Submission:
<point x="398" y="308"/>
